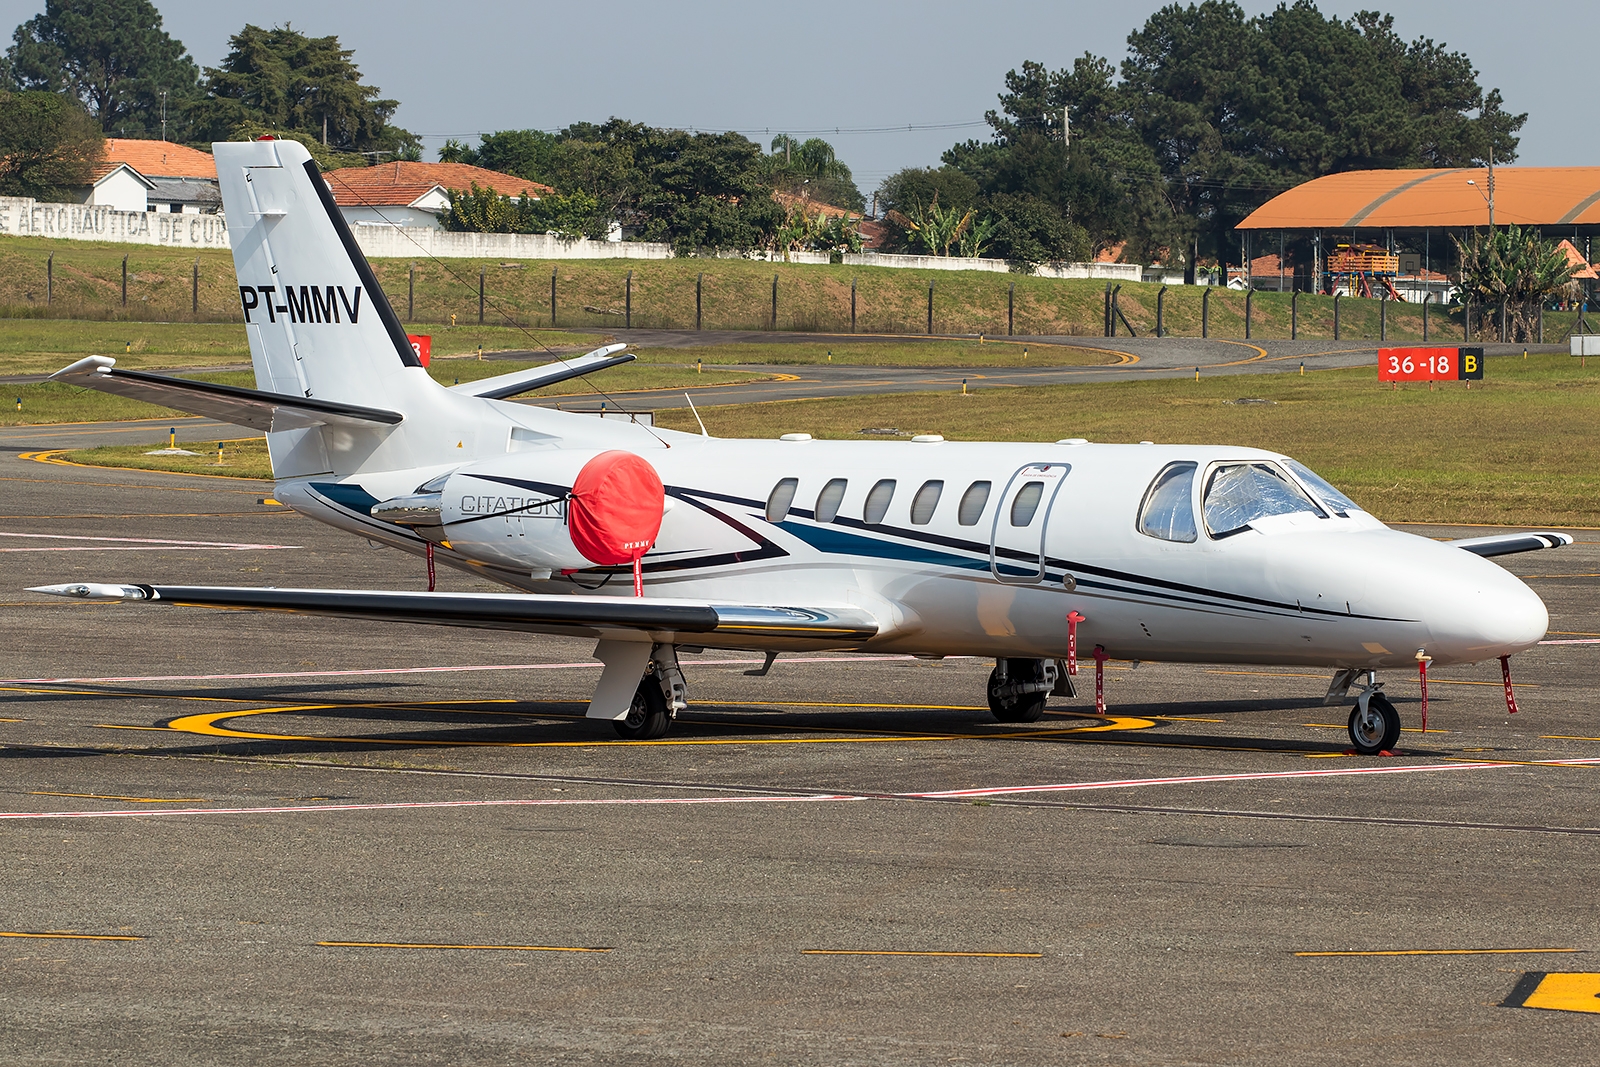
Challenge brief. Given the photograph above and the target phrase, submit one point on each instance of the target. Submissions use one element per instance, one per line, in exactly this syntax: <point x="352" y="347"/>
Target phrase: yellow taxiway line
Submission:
<point x="54" y="936"/>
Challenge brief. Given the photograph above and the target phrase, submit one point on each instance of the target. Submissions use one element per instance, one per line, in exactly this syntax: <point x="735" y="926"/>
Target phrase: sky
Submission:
<point x="856" y="74"/>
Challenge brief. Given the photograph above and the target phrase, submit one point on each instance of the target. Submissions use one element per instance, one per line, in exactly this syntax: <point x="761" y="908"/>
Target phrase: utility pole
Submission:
<point x="1491" y="188"/>
<point x="163" y="114"/>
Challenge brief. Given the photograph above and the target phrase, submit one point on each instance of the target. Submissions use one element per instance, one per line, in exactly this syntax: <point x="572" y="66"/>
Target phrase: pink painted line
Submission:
<point x="416" y="670"/>
<point x="143" y="541"/>
<point x="1135" y="783"/>
<point x="301" y="809"/>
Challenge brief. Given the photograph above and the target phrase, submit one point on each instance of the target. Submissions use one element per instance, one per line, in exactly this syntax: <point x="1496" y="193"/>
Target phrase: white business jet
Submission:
<point x="655" y="542"/>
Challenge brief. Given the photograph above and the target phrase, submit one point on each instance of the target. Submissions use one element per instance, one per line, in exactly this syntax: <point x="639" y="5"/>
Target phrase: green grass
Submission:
<point x="735" y="294"/>
<point x="244" y="457"/>
<point x="886" y="353"/>
<point x="53" y="402"/>
<point x="43" y="346"/>
<point x="1518" y="448"/>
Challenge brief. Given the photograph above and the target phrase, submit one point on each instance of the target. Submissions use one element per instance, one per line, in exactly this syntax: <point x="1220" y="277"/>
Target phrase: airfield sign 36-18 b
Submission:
<point x="1430" y="364"/>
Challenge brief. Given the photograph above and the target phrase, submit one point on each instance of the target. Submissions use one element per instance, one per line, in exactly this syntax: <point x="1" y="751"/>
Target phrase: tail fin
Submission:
<point x="319" y="324"/>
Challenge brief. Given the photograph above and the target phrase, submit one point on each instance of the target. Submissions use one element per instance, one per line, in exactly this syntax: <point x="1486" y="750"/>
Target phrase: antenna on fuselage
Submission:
<point x="697" y="417"/>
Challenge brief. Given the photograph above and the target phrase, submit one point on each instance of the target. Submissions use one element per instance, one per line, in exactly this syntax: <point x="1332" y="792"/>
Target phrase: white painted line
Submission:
<point x="1136" y="783"/>
<point x="127" y="544"/>
<point x="303" y="809"/>
<point x="1575" y="641"/>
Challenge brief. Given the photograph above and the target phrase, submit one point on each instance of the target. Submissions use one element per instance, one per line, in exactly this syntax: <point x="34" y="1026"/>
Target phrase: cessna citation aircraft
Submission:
<point x="655" y="542"/>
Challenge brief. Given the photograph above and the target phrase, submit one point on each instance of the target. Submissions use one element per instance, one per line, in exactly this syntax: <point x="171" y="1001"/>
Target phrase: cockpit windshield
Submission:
<point x="1336" y="501"/>
<point x="1238" y="494"/>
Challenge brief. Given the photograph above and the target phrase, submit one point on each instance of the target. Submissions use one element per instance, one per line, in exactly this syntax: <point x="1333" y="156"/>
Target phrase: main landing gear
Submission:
<point x="657" y="701"/>
<point x="1018" y="688"/>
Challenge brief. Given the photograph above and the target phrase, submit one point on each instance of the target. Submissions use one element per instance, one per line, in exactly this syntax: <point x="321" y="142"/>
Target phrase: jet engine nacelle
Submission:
<point x="562" y="511"/>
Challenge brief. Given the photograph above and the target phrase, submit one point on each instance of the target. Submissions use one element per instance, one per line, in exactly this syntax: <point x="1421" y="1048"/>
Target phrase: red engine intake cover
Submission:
<point x="616" y="507"/>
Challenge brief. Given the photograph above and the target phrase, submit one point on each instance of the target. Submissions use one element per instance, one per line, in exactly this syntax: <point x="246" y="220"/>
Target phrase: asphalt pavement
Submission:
<point x="239" y="837"/>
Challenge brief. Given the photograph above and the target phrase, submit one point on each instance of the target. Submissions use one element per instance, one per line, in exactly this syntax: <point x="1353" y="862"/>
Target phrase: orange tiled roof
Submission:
<point x="1402" y="199"/>
<point x="160" y="159"/>
<point x="401" y="182"/>
<point x="1580" y="266"/>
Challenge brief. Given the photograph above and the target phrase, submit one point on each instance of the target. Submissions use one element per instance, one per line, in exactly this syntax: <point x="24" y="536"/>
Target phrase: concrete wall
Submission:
<point x="410" y="242"/>
<point x="1126" y="272"/>
<point x="23" y="216"/>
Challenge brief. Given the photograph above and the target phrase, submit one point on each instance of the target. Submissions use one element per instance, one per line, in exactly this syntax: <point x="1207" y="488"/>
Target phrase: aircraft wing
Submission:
<point x="254" y="408"/>
<point x="1506" y="544"/>
<point x="685" y="621"/>
<point x="502" y="386"/>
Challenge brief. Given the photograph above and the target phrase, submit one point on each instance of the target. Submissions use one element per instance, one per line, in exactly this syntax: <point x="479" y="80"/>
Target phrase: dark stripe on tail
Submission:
<point x="380" y="302"/>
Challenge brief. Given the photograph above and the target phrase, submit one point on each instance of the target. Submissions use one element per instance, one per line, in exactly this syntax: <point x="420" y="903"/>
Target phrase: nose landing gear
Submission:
<point x="1374" y="724"/>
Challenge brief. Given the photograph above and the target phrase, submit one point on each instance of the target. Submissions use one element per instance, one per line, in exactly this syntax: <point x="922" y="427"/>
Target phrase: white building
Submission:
<point x="403" y="193"/>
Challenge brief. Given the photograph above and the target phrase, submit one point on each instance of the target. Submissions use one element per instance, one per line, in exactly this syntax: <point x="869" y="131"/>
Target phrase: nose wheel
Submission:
<point x="1374" y="725"/>
<point x="1019" y="688"/>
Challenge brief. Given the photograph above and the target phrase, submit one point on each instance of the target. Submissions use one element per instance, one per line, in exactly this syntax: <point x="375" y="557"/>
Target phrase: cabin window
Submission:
<point x="1025" y="503"/>
<point x="1168" y="509"/>
<point x="878" y="498"/>
<point x="1336" y="501"/>
<point x="829" y="499"/>
<point x="1238" y="494"/>
<point x="780" y="499"/>
<point x="972" y="502"/>
<point x="924" y="503"/>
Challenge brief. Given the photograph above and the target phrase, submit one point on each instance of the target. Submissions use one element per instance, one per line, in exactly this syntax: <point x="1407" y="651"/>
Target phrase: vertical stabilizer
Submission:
<point x="318" y="323"/>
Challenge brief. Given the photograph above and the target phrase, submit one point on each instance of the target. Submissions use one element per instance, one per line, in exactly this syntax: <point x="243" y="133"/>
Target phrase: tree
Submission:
<point x="282" y="79"/>
<point x="1517" y="267"/>
<point x="48" y="144"/>
<point x="113" y="57"/>
<point x="811" y="169"/>
<point x="486" y="211"/>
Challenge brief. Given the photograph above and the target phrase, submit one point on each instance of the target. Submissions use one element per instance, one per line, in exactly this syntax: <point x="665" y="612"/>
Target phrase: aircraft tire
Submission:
<point x="1378" y="730"/>
<point x="648" y="718"/>
<point x="1027" y="708"/>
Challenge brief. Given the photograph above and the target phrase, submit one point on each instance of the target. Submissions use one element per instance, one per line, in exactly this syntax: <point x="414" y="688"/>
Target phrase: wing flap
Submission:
<point x="254" y="408"/>
<point x="1506" y="544"/>
<point x="737" y="625"/>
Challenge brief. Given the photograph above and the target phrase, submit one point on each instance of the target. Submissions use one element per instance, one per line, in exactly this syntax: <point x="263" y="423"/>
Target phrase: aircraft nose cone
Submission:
<point x="1494" y="615"/>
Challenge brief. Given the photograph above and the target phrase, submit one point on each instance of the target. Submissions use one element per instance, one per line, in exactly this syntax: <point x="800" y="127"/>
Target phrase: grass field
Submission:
<point x="1517" y="449"/>
<point x="735" y="294"/>
<point x="42" y="346"/>
<point x="50" y="402"/>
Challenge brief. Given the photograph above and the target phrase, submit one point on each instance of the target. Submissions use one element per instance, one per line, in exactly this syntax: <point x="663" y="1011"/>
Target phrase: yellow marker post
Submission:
<point x="452" y="320"/>
<point x="480" y="353"/>
<point x="697" y="365"/>
<point x="172" y="437"/>
<point x="127" y="347"/>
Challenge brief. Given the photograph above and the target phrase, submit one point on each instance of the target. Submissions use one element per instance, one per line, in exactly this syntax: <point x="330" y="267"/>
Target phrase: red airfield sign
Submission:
<point x="1430" y="364"/>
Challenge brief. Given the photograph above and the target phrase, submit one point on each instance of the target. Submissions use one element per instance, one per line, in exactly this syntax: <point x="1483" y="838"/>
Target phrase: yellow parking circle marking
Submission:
<point x="1566" y="992"/>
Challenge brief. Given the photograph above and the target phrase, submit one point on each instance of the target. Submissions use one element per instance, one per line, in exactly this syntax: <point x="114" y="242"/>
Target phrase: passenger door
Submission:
<point x="1016" y="538"/>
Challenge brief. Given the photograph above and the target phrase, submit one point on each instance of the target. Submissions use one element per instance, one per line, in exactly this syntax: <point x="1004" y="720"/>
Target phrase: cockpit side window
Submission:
<point x="1238" y="494"/>
<point x="1336" y="501"/>
<point x="1168" y="508"/>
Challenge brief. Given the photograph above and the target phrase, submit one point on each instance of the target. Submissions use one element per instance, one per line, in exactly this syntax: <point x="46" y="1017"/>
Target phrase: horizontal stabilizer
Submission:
<point x="502" y="386"/>
<point x="254" y="408"/>
<point x="1506" y="544"/>
<point x="729" y="625"/>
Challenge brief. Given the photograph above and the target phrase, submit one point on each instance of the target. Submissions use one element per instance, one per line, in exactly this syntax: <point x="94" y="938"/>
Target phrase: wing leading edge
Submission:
<point x="724" y="625"/>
